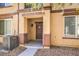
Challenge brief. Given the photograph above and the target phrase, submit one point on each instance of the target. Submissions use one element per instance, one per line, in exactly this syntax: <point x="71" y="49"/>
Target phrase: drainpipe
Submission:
<point x="50" y="24"/>
<point x="18" y="21"/>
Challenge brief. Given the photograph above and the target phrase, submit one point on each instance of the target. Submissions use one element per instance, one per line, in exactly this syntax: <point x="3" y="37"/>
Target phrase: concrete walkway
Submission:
<point x="29" y="52"/>
<point x="32" y="47"/>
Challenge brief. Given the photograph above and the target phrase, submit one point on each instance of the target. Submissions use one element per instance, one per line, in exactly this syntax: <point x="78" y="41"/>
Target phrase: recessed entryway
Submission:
<point x="34" y="32"/>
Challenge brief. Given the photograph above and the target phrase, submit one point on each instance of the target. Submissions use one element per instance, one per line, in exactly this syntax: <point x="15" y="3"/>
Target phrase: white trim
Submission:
<point x="9" y="19"/>
<point x="69" y="15"/>
<point x="76" y="26"/>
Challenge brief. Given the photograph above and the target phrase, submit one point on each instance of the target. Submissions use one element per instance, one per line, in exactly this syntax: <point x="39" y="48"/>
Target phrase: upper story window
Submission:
<point x="33" y="5"/>
<point x="5" y="4"/>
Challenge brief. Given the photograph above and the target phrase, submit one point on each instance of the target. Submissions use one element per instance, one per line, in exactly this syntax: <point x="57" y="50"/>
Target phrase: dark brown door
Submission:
<point x="39" y="30"/>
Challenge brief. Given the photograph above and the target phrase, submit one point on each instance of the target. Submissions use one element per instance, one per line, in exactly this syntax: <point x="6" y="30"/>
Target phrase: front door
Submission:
<point x="39" y="30"/>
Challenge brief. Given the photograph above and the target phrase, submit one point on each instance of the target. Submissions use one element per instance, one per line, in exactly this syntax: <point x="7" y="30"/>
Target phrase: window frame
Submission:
<point x="76" y="26"/>
<point x="4" y="26"/>
<point x="5" y="21"/>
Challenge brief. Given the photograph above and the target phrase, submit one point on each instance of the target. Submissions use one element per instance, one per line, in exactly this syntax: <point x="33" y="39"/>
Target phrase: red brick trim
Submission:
<point x="70" y="38"/>
<point x="72" y="11"/>
<point x="65" y="14"/>
<point x="56" y="11"/>
<point x="23" y="38"/>
<point x="69" y="10"/>
<point x="46" y="40"/>
<point x="47" y="8"/>
<point x="22" y="10"/>
<point x="27" y="10"/>
<point x="65" y="10"/>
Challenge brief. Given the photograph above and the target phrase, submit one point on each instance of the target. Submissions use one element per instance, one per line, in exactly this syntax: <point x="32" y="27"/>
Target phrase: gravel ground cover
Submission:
<point x="58" y="51"/>
<point x="14" y="52"/>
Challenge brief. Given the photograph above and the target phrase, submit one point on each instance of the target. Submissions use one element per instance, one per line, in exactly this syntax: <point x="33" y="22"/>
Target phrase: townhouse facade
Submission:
<point x="55" y="24"/>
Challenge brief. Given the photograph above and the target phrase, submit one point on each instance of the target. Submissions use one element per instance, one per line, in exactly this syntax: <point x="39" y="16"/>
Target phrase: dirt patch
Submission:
<point x="58" y="51"/>
<point x="14" y="52"/>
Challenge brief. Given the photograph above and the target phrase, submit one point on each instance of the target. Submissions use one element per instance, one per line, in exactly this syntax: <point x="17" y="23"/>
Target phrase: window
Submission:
<point x="5" y="27"/>
<point x="5" y="4"/>
<point x="33" y="5"/>
<point x="1" y="27"/>
<point x="71" y="26"/>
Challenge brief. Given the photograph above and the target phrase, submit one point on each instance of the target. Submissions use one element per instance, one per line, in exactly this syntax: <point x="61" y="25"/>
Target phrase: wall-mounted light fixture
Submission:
<point x="31" y="25"/>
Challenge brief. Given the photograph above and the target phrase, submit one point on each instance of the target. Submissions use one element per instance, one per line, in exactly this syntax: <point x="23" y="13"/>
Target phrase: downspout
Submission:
<point x="50" y="24"/>
<point x="18" y="21"/>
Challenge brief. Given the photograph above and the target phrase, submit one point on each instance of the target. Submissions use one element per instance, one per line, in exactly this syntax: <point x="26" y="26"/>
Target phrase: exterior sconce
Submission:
<point x="31" y="25"/>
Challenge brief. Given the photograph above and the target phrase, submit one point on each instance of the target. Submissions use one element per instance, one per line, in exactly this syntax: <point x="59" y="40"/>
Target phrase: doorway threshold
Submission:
<point x="34" y="45"/>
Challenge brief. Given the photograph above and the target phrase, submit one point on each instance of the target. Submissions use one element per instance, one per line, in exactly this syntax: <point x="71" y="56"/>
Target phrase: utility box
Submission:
<point x="10" y="42"/>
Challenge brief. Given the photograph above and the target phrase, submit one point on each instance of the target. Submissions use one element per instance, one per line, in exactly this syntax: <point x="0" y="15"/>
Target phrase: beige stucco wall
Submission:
<point x="1" y="38"/>
<point x="15" y="25"/>
<point x="46" y="22"/>
<point x="21" y="23"/>
<point x="11" y="9"/>
<point x="57" y="32"/>
<point x="54" y="25"/>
